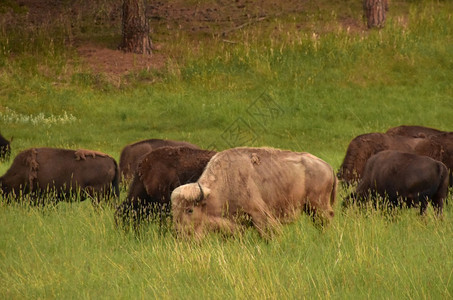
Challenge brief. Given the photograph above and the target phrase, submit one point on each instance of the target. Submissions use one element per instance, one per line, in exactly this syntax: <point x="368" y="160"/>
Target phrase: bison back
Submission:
<point x="132" y="154"/>
<point x="413" y="131"/>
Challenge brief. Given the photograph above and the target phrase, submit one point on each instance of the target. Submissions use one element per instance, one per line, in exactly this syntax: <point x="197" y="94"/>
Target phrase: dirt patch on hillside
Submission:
<point x="117" y="62"/>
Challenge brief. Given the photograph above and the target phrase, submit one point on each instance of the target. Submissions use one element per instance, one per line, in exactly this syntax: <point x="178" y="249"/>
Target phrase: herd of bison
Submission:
<point x="204" y="190"/>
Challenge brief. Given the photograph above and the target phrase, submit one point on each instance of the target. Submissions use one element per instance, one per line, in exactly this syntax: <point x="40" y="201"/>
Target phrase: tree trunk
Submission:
<point x="375" y="12"/>
<point x="135" y="28"/>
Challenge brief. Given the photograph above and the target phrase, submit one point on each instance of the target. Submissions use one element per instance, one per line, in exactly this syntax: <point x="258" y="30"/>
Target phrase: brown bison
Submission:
<point x="413" y="131"/>
<point x="131" y="154"/>
<point x="362" y="147"/>
<point x="61" y="174"/>
<point x="404" y="178"/>
<point x="156" y="176"/>
<point x="5" y="148"/>
<point x="267" y="185"/>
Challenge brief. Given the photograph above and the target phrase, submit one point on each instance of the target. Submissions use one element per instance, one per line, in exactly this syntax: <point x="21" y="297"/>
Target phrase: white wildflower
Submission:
<point x="11" y="116"/>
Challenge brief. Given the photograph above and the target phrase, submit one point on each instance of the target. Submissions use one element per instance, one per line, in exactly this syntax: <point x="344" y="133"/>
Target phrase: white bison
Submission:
<point x="268" y="185"/>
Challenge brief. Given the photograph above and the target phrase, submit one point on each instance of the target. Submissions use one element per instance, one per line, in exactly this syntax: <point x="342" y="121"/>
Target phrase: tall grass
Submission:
<point x="328" y="84"/>
<point x="73" y="250"/>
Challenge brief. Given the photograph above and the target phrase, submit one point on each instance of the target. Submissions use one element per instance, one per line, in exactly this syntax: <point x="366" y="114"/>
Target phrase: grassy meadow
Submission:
<point x="304" y="82"/>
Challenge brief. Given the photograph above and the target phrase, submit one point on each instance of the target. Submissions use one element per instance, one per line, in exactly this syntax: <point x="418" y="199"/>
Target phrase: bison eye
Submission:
<point x="189" y="210"/>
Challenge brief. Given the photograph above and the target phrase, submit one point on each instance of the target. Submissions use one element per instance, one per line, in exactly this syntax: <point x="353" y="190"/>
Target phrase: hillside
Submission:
<point x="95" y="30"/>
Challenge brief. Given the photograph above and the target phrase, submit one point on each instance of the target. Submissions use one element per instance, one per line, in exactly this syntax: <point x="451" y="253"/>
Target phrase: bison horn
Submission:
<point x="201" y="194"/>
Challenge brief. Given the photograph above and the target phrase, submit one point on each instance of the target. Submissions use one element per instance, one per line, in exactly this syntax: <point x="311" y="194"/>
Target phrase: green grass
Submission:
<point x="71" y="250"/>
<point x="328" y="85"/>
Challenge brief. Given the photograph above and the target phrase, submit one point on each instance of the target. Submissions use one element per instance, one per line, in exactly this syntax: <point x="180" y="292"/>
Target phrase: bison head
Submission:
<point x="352" y="167"/>
<point x="359" y="150"/>
<point x="189" y="208"/>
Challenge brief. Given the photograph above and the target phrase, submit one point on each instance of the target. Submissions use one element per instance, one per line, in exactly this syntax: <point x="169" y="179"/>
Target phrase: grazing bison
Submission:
<point x="413" y="131"/>
<point x="362" y="147"/>
<point x="61" y="174"/>
<point x="131" y="154"/>
<point x="404" y="178"/>
<point x="267" y="185"/>
<point x="156" y="176"/>
<point x="5" y="148"/>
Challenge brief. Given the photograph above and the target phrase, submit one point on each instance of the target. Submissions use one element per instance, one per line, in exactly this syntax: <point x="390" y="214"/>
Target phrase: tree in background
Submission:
<point x="375" y="12"/>
<point x="135" y="28"/>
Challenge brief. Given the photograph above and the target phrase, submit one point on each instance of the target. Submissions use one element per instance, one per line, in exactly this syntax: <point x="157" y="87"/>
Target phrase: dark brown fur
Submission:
<point x="445" y="140"/>
<point x="5" y="148"/>
<point x="157" y="175"/>
<point x="404" y="178"/>
<point x="413" y="131"/>
<point x="362" y="147"/>
<point x="59" y="172"/>
<point x="131" y="154"/>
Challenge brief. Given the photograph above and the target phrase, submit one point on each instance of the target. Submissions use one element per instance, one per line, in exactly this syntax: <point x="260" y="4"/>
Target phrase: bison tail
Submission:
<point x="116" y="181"/>
<point x="333" y="195"/>
<point x="442" y="191"/>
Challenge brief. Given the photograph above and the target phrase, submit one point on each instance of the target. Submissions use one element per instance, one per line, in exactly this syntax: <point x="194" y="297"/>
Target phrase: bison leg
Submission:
<point x="262" y="218"/>
<point x="442" y="191"/>
<point x="321" y="210"/>
<point x="132" y="212"/>
<point x="438" y="208"/>
<point x="423" y="206"/>
<point x="266" y="225"/>
<point x="89" y="192"/>
<point x="349" y="200"/>
<point x="222" y="225"/>
<point x="438" y="203"/>
<point x="96" y="194"/>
